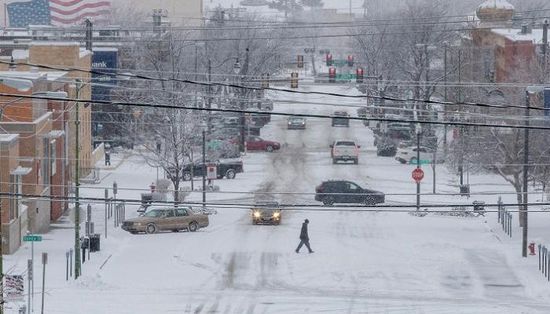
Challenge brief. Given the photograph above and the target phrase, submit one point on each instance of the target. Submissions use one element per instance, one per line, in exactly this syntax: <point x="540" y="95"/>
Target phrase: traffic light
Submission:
<point x="294" y="80"/>
<point x="300" y="63"/>
<point x="350" y="60"/>
<point x="332" y="74"/>
<point x="265" y="80"/>
<point x="329" y="60"/>
<point x="359" y="75"/>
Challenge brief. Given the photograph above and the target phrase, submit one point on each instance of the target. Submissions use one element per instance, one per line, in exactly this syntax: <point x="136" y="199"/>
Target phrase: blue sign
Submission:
<point x="547" y="102"/>
<point x="104" y="60"/>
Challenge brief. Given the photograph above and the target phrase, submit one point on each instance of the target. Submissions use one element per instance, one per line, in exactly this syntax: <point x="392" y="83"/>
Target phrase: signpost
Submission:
<point x="418" y="175"/>
<point x="32" y="238"/>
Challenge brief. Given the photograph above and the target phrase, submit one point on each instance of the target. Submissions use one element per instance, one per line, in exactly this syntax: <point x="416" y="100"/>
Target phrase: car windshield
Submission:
<point x="345" y="143"/>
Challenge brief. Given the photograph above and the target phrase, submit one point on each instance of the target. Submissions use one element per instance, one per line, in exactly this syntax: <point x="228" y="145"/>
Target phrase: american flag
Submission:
<point x="57" y="12"/>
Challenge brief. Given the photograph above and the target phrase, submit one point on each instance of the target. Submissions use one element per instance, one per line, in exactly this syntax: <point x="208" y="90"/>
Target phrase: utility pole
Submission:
<point x="203" y="168"/>
<point x="418" y="131"/>
<point x="445" y="99"/>
<point x="525" y="176"/>
<point x="77" y="184"/>
<point x="544" y="45"/>
<point x="461" y="128"/>
<point x="243" y="71"/>
<point x="1" y="266"/>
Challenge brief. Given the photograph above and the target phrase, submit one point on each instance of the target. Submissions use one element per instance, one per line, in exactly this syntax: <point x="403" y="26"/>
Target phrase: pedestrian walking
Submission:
<point x="304" y="237"/>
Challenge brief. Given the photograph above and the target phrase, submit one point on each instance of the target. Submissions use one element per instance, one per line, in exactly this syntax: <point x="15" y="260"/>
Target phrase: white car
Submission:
<point x="409" y="155"/>
<point x="344" y="150"/>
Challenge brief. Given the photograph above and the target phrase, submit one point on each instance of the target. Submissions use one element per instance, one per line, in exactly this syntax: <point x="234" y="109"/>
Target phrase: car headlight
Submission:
<point x="257" y="214"/>
<point x="137" y="223"/>
<point x="276" y="215"/>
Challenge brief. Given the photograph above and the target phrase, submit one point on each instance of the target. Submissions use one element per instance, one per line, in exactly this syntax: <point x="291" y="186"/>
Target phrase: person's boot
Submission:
<point x="311" y="252"/>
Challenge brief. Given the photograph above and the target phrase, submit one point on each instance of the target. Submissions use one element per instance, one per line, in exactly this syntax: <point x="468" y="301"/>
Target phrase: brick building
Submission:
<point x="14" y="213"/>
<point x="505" y="53"/>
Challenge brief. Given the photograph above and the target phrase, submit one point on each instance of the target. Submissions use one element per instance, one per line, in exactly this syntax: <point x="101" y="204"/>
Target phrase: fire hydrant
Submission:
<point x="153" y="187"/>
<point x="532" y="248"/>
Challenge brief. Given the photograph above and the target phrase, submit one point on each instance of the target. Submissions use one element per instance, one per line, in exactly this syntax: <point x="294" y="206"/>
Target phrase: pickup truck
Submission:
<point x="227" y="168"/>
<point x="344" y="150"/>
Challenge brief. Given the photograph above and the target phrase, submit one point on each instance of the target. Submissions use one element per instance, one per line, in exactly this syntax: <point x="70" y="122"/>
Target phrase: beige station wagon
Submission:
<point x="166" y="219"/>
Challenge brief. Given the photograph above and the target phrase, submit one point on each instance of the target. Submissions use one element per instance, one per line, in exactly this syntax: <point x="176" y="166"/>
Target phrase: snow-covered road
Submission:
<point x="364" y="262"/>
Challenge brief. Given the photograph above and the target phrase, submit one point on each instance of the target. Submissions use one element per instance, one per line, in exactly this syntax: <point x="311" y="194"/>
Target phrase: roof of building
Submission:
<point x="512" y="34"/>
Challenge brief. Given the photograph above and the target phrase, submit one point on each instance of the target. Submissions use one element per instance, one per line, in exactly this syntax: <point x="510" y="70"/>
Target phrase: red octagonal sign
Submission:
<point x="418" y="175"/>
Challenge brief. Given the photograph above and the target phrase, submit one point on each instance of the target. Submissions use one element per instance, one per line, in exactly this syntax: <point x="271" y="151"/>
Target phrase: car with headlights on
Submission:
<point x="296" y="123"/>
<point x="166" y="219"/>
<point x="266" y="213"/>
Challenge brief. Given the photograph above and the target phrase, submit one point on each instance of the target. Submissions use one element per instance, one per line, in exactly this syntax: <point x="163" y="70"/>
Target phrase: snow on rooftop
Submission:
<point x="19" y="54"/>
<point x="54" y="43"/>
<point x="6" y="138"/>
<point x="31" y="75"/>
<point x="104" y="49"/>
<point x="84" y="52"/>
<point x="496" y="4"/>
<point x="515" y="34"/>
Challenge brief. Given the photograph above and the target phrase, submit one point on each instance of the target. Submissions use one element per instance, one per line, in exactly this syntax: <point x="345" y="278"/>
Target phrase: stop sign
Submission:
<point x="418" y="175"/>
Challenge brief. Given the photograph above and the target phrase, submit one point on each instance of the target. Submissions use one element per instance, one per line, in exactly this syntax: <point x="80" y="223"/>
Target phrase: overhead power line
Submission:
<point x="165" y="106"/>
<point x="144" y="77"/>
<point x="387" y="208"/>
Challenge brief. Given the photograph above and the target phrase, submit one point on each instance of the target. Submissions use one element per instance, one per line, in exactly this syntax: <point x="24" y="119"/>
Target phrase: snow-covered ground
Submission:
<point x="364" y="262"/>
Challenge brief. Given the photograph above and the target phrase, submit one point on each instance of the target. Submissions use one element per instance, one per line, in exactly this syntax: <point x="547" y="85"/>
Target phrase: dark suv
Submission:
<point x="341" y="191"/>
<point x="340" y="118"/>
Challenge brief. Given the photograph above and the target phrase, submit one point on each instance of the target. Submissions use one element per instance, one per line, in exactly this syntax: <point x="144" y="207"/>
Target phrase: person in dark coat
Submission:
<point x="304" y="237"/>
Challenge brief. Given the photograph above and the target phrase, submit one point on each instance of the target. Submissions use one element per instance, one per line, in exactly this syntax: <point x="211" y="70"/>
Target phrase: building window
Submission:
<point x="16" y="189"/>
<point x="45" y="164"/>
<point x="53" y="157"/>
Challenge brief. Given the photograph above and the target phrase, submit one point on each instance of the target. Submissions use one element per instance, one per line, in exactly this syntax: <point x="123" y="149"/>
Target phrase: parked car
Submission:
<point x="257" y="143"/>
<point x="266" y="213"/>
<point x="408" y="154"/>
<point x="227" y="168"/>
<point x="341" y="191"/>
<point x="340" y="118"/>
<point x="166" y="219"/>
<point x="344" y="150"/>
<point x="296" y="123"/>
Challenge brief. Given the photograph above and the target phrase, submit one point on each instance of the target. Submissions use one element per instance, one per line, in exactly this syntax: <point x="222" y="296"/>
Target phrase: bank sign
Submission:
<point x="104" y="60"/>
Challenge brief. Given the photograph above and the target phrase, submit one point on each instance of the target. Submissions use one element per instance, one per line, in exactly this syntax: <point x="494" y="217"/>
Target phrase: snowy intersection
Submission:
<point x="364" y="262"/>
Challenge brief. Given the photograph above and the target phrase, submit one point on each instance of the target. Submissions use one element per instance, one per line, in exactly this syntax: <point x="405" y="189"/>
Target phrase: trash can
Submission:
<point x="479" y="206"/>
<point x="465" y="190"/>
<point x="84" y="243"/>
<point x="95" y="242"/>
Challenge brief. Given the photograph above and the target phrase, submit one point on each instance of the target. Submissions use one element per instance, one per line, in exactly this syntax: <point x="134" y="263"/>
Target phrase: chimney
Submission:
<point x="525" y="29"/>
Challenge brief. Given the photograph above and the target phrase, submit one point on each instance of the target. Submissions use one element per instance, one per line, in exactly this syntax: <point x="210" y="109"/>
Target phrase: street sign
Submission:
<point x="345" y="76"/>
<point x="418" y="175"/>
<point x="421" y="162"/>
<point x="32" y="238"/>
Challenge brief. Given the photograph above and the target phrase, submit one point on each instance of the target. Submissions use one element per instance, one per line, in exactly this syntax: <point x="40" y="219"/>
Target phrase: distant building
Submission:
<point x="18" y="13"/>
<point x="505" y="53"/>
